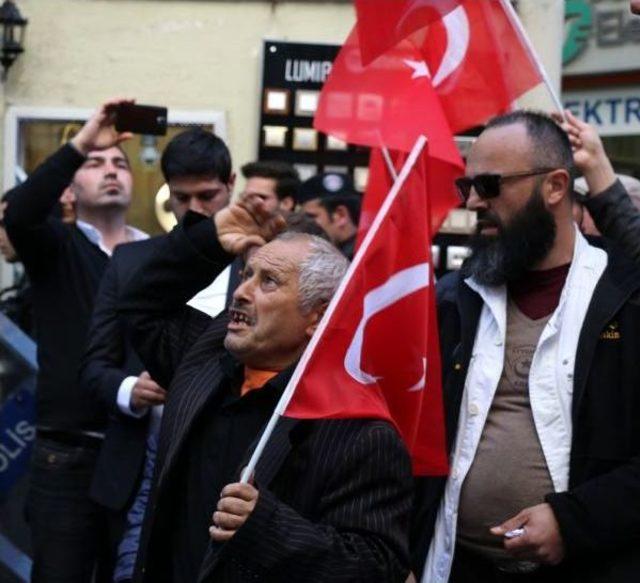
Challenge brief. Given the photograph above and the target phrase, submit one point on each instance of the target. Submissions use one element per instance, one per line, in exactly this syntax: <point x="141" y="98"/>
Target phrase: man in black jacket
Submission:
<point x="197" y="166"/>
<point x="64" y="263"/>
<point x="538" y="339"/>
<point x="330" y="498"/>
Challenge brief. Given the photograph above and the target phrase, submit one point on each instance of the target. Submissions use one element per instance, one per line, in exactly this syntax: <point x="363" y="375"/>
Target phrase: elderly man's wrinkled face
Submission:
<point x="267" y="329"/>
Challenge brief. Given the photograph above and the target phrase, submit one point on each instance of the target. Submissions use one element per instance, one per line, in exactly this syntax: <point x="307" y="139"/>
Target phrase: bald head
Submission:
<point x="548" y="143"/>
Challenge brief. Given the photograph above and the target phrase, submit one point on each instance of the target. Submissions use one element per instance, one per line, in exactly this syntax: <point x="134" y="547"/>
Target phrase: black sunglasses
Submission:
<point x="488" y="185"/>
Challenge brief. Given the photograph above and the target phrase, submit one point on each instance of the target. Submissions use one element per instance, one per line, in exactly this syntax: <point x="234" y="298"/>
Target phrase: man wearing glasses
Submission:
<point x="540" y="369"/>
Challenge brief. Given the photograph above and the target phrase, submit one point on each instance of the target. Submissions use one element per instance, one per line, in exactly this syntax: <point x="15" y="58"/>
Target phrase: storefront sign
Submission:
<point x="292" y="77"/>
<point x="602" y="36"/>
<point x="614" y="112"/>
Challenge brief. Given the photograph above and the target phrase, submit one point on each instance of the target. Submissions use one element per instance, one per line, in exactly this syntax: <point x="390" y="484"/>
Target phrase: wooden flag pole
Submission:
<point x="283" y="403"/>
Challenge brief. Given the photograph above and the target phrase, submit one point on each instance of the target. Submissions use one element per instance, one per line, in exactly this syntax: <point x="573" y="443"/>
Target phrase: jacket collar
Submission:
<point x="95" y="236"/>
<point x="585" y="257"/>
<point x="233" y="370"/>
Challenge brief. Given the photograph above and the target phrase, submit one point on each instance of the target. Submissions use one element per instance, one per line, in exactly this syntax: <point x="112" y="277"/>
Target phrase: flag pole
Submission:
<point x="387" y="158"/>
<point x="517" y="23"/>
<point x="283" y="403"/>
<point x="389" y="162"/>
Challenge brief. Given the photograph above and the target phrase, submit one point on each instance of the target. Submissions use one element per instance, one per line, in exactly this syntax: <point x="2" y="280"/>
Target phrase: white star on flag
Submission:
<point x="420" y="68"/>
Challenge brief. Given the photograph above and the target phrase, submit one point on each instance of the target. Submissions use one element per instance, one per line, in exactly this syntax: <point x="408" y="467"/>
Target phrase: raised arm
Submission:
<point x="184" y="262"/>
<point x="30" y="204"/>
<point x="608" y="202"/>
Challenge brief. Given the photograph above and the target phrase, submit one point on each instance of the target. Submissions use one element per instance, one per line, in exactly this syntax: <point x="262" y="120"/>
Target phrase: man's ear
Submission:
<point x="314" y="318"/>
<point x="557" y="187"/>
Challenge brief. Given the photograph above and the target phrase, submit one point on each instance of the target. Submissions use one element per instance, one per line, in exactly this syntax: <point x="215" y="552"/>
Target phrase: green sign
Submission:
<point x="579" y="20"/>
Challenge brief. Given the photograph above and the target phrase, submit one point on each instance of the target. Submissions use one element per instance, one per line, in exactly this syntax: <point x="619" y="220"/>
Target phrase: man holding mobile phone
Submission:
<point x="65" y="263"/>
<point x="196" y="164"/>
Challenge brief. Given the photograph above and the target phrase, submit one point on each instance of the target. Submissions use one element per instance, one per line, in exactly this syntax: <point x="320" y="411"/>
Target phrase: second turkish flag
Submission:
<point x="388" y="103"/>
<point x="378" y="355"/>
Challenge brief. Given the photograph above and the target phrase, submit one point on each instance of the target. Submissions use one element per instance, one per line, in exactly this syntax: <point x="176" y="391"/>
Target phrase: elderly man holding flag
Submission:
<point x="329" y="499"/>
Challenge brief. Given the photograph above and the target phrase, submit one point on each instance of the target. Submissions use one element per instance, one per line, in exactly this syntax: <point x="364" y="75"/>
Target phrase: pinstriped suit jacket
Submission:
<point x="335" y="495"/>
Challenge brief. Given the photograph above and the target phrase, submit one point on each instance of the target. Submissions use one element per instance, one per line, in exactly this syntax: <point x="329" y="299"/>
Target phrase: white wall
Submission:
<point x="180" y="53"/>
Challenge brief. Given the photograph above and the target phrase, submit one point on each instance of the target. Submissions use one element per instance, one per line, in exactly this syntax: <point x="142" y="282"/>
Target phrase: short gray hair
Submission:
<point x="321" y="271"/>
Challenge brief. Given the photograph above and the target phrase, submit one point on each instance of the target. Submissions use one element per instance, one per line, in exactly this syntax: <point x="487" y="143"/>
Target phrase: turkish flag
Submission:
<point x="382" y="24"/>
<point x="388" y="103"/>
<point x="378" y="356"/>
<point x="479" y="62"/>
<point x="439" y="180"/>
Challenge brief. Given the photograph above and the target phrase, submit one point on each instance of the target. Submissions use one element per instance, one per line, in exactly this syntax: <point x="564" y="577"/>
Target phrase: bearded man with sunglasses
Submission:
<point x="541" y="373"/>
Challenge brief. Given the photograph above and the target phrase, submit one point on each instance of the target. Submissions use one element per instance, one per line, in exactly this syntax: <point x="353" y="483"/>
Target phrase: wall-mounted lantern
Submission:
<point x="13" y="28"/>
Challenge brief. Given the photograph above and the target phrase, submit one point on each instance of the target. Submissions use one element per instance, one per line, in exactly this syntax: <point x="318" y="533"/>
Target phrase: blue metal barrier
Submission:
<point x="17" y="431"/>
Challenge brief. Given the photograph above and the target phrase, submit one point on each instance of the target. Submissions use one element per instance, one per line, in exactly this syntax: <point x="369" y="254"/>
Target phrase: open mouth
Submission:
<point x="239" y="319"/>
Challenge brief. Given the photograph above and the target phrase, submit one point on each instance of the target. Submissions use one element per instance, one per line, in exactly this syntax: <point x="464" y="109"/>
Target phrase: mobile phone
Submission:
<point x="141" y="119"/>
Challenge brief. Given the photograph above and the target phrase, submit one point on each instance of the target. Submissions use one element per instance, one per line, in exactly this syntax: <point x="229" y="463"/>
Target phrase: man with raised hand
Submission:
<point x="196" y="164"/>
<point x="64" y="263"/>
<point x="607" y="200"/>
<point x="539" y="347"/>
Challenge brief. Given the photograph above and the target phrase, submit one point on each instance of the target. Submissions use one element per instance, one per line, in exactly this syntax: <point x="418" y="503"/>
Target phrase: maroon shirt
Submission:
<point x="537" y="295"/>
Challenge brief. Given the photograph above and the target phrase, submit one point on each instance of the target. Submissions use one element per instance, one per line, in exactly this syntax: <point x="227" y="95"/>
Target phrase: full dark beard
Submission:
<point x="519" y="245"/>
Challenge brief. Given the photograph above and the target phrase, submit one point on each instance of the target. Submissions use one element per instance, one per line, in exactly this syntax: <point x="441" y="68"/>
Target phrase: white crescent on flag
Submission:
<point x="422" y="383"/>
<point x="398" y="286"/>
<point x="458" y="37"/>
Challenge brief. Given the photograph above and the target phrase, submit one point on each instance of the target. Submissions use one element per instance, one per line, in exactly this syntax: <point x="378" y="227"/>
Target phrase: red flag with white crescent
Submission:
<point x="390" y="102"/>
<point x="378" y="356"/>
<point x="479" y="62"/>
<point x="382" y="24"/>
